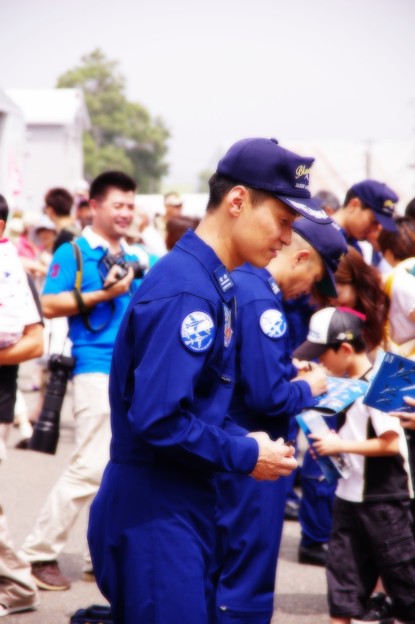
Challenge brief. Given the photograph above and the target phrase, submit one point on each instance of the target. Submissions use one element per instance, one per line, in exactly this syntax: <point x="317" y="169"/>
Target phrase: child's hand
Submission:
<point x="330" y="444"/>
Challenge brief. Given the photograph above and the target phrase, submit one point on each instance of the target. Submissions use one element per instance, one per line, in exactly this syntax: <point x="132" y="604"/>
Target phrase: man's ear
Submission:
<point x="93" y="205"/>
<point x="2" y="227"/>
<point x="301" y="257"/>
<point x="354" y="204"/>
<point x="237" y="198"/>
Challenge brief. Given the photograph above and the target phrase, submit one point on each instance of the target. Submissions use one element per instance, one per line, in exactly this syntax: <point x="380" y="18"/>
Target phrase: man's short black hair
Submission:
<point x="4" y="209"/>
<point x="60" y="200"/>
<point x="220" y="185"/>
<point x="110" y="179"/>
<point x="351" y="194"/>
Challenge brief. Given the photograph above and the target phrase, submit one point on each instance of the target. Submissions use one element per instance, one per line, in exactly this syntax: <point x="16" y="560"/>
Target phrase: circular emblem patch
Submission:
<point x="273" y="323"/>
<point x="198" y="331"/>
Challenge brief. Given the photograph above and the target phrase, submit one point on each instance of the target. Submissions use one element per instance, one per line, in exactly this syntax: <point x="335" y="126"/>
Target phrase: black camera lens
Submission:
<point x="46" y="431"/>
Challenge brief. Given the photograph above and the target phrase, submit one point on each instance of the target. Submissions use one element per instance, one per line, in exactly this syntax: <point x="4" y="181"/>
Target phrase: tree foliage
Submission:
<point x="122" y="135"/>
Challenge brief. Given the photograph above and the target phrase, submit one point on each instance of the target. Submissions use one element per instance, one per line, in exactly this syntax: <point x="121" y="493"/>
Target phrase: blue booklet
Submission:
<point x="394" y="379"/>
<point x="332" y="466"/>
<point x="341" y="393"/>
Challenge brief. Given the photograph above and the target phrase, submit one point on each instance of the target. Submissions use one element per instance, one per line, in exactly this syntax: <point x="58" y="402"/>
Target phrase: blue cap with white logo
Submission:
<point x="380" y="199"/>
<point x="330" y="244"/>
<point x="264" y="165"/>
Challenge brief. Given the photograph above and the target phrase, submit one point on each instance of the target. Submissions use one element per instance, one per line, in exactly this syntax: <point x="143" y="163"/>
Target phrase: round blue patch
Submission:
<point x="273" y="323"/>
<point x="197" y="331"/>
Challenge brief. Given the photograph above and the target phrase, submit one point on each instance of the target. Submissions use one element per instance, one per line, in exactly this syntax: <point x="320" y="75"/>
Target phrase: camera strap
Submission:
<point x="84" y="311"/>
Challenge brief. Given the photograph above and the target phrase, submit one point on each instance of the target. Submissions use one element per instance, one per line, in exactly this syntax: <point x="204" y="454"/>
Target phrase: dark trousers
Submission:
<point x="369" y="540"/>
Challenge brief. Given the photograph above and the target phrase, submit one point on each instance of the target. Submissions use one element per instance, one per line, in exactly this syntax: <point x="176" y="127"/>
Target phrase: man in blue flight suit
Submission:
<point x="268" y="390"/>
<point x="151" y="529"/>
<point x="368" y="207"/>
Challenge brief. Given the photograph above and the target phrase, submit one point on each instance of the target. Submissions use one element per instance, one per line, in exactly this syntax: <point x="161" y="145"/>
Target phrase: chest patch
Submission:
<point x="197" y="331"/>
<point x="273" y="323"/>
<point x="228" y="326"/>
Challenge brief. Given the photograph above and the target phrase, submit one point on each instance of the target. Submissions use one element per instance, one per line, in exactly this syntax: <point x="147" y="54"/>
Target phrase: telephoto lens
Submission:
<point x="46" y="431"/>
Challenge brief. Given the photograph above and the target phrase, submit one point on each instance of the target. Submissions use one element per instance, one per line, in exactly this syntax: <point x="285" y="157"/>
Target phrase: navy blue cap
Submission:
<point x="330" y="243"/>
<point x="264" y="165"/>
<point x="380" y="199"/>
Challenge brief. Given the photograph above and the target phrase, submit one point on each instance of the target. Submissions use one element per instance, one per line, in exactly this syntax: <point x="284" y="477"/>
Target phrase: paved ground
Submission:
<point x="27" y="476"/>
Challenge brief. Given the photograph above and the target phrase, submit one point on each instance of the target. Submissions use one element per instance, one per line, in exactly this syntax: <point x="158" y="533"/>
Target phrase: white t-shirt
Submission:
<point x="374" y="478"/>
<point x="17" y="306"/>
<point x="402" y="304"/>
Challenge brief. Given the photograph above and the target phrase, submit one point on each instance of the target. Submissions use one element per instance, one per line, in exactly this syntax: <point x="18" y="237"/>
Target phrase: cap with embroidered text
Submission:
<point x="380" y="199"/>
<point x="329" y="327"/>
<point x="264" y="165"/>
<point x="330" y="244"/>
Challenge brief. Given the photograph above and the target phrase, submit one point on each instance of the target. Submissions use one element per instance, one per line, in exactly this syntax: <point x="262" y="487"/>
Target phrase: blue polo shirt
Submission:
<point x="92" y="350"/>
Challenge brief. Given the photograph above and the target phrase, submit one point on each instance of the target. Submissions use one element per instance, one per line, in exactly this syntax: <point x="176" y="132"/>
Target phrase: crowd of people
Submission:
<point x="193" y="345"/>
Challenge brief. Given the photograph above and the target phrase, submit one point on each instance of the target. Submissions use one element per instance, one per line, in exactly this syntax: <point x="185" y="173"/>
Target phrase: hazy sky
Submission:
<point x="220" y="70"/>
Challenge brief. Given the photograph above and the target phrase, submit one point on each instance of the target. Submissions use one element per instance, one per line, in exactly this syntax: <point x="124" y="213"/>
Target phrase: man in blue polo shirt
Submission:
<point x="151" y="528"/>
<point x="95" y="308"/>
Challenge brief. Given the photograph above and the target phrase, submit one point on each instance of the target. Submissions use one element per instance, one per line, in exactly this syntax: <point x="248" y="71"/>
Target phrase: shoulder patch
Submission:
<point x="273" y="323"/>
<point x="197" y="331"/>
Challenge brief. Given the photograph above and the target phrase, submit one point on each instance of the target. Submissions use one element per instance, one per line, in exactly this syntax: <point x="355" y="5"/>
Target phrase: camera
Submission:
<point x="109" y="260"/>
<point x="46" y="431"/>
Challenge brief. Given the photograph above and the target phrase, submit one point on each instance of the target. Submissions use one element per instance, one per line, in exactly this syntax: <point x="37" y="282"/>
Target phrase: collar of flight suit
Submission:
<point x="203" y="253"/>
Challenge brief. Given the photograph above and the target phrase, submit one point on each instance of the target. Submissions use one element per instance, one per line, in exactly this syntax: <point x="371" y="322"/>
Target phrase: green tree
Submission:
<point x="122" y="135"/>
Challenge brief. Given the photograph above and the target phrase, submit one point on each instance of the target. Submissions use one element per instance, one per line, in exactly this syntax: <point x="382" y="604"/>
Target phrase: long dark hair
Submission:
<point x="371" y="299"/>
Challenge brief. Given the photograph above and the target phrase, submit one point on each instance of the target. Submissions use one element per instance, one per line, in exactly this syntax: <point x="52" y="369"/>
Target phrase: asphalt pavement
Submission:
<point x="27" y="477"/>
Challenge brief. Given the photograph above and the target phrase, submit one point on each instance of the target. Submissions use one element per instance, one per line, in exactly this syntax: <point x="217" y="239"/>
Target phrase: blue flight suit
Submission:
<point x="250" y="513"/>
<point x="317" y="496"/>
<point x="350" y="240"/>
<point x="298" y="312"/>
<point x="151" y="529"/>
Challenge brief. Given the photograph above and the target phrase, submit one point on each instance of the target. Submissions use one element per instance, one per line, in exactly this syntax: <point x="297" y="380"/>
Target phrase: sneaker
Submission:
<point x="291" y="510"/>
<point x="8" y="610"/>
<point x="47" y="575"/>
<point x="378" y="609"/>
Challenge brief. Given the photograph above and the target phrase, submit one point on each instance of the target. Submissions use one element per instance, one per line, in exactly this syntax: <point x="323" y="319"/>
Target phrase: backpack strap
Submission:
<point x="83" y="310"/>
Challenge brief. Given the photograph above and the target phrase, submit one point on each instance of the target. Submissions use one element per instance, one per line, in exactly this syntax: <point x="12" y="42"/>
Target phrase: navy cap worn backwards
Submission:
<point x="380" y="199"/>
<point x="264" y="165"/>
<point x="330" y="244"/>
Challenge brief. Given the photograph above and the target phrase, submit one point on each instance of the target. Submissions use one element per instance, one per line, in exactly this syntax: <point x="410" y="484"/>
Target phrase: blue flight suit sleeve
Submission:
<point x="266" y="367"/>
<point x="176" y="398"/>
<point x="231" y="427"/>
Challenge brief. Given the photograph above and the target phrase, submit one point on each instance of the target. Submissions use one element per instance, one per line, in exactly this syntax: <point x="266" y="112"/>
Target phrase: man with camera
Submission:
<point x="89" y="281"/>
